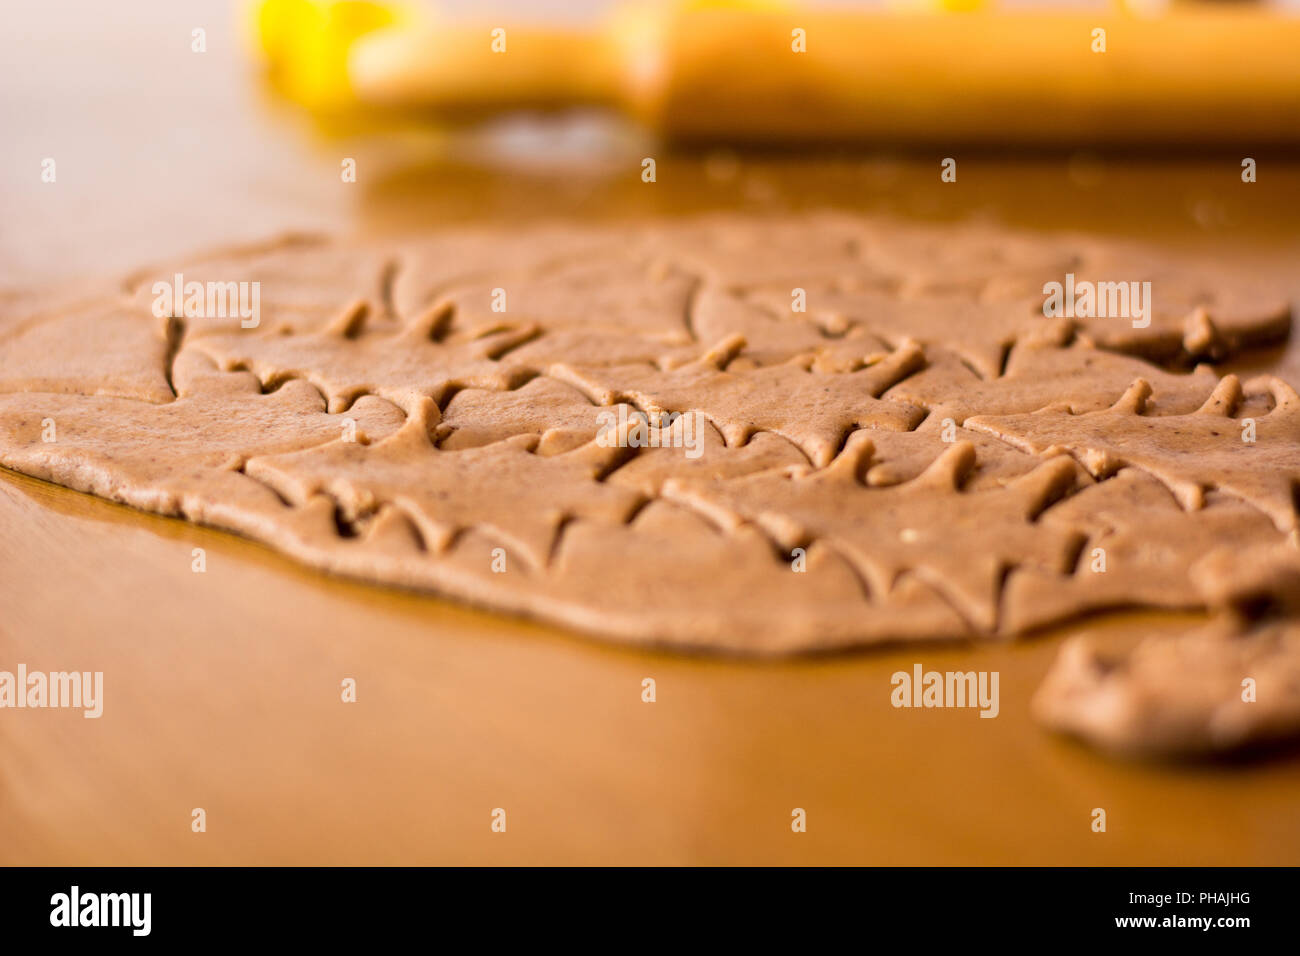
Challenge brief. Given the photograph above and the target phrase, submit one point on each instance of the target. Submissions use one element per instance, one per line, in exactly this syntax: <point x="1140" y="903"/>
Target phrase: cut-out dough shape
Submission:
<point x="1207" y="449"/>
<point x="504" y="488"/>
<point x="959" y="543"/>
<point x="403" y="367"/>
<point x="1141" y="550"/>
<point x="812" y="409"/>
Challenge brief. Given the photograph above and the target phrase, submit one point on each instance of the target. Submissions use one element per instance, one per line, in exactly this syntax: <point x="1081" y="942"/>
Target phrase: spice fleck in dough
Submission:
<point x="755" y="436"/>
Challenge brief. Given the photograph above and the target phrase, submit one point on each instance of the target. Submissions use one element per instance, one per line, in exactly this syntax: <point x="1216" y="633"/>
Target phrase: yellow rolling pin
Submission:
<point x="796" y="75"/>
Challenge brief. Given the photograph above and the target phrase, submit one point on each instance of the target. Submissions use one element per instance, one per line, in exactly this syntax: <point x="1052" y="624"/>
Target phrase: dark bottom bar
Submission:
<point x="376" y="905"/>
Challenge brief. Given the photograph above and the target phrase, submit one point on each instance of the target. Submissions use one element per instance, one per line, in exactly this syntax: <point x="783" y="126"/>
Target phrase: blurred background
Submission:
<point x="161" y="150"/>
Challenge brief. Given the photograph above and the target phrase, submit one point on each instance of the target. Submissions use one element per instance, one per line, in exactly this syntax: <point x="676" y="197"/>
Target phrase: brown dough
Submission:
<point x="1179" y="696"/>
<point x="919" y="455"/>
<point x="1189" y="453"/>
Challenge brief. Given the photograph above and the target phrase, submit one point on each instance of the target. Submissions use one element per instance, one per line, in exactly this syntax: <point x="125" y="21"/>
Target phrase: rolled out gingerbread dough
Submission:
<point x="755" y="436"/>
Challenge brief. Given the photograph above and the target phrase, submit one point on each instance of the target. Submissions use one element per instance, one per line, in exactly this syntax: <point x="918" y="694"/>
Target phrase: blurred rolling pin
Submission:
<point x="782" y="74"/>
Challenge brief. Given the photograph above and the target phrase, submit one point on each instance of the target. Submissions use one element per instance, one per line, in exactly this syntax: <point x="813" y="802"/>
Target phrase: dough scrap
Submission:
<point x="1180" y="696"/>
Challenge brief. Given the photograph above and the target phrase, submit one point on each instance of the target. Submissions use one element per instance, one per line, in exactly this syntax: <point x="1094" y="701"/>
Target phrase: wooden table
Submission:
<point x="223" y="688"/>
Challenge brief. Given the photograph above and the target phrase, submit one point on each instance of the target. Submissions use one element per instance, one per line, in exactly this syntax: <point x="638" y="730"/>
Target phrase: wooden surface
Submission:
<point x="222" y="688"/>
